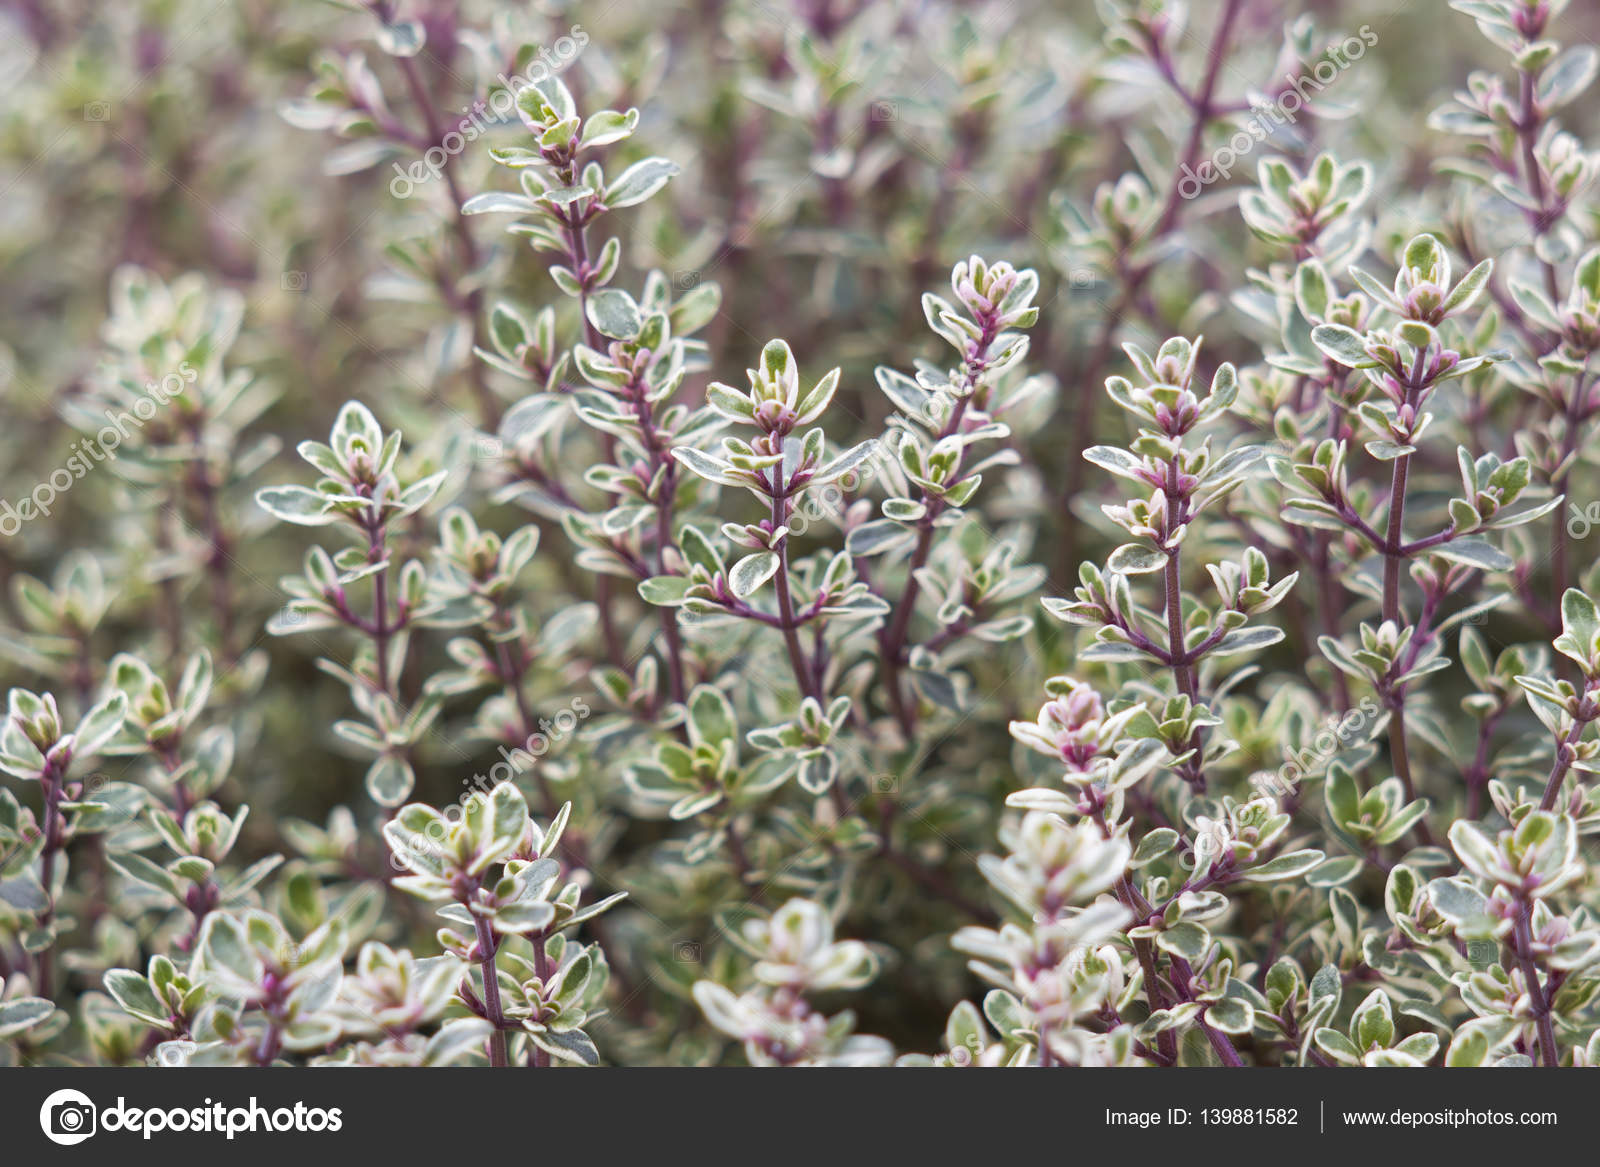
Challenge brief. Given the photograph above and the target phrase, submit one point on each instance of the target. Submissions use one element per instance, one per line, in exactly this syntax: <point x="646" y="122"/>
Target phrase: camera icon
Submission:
<point x="686" y="952"/>
<point x="487" y="449"/>
<point x="68" y="1117"/>
<point x="93" y="788"/>
<point x="72" y="1118"/>
<point x="1482" y="953"/>
<point x="294" y="281"/>
<point x="173" y="1054"/>
<point x="97" y="111"/>
<point x="885" y="784"/>
<point x="686" y="280"/>
<point x="1081" y="277"/>
<point x="884" y="111"/>
<point x="293" y="954"/>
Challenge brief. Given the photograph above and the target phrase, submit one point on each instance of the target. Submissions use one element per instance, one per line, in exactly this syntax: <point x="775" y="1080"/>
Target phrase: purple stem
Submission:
<point x="487" y="948"/>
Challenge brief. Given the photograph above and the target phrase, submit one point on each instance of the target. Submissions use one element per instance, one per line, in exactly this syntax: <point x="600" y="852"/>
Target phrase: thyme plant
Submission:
<point x="1134" y="609"/>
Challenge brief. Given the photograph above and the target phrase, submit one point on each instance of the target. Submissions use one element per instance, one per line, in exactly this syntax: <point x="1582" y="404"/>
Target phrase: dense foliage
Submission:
<point x="425" y="647"/>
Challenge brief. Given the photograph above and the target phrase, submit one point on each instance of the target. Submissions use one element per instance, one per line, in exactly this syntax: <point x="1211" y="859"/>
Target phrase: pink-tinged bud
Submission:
<point x="1581" y="330"/>
<point x="1081" y="706"/>
<point x="775" y="417"/>
<point x="1170" y="371"/>
<point x="1073" y="723"/>
<point x="360" y="467"/>
<point x="1425" y="302"/>
<point x="1530" y="21"/>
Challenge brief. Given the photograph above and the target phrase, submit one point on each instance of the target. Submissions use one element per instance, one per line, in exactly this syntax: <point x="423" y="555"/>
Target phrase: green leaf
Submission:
<point x="22" y="1013"/>
<point x="1580" y="627"/>
<point x="1231" y="1015"/>
<point x="141" y="870"/>
<point x="225" y="947"/>
<point x="747" y="576"/>
<point x="1337" y="1046"/>
<point x="1186" y="939"/>
<point x="24" y="893"/>
<point x="99" y="725"/>
<point x="704" y="465"/>
<point x="1284" y="866"/>
<point x="389" y="780"/>
<point x="132" y="991"/>
<point x="1401" y="822"/>
<point x="1117" y="461"/>
<point x="665" y="591"/>
<point x="1154" y="845"/>
<point x="296" y="504"/>
<point x="456" y="1041"/>
<point x="606" y="127"/>
<point x="497" y="828"/>
<point x="1344" y="345"/>
<point x="845" y="462"/>
<point x="1327" y="985"/>
<point x="615" y="314"/>
<point x="1469" y="1048"/>
<point x="497" y="202"/>
<point x="639" y="182"/>
<point x="711" y="717"/>
<point x="573" y="1046"/>
<point x="876" y="537"/>
<point x="1242" y="640"/>
<point x="1477" y="553"/>
<point x="1136" y="559"/>
<point x="1467" y="908"/>
<point x="1463" y="295"/>
<point x="1335" y="872"/>
<point x="1567" y="76"/>
<point x="1005" y="1013"/>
